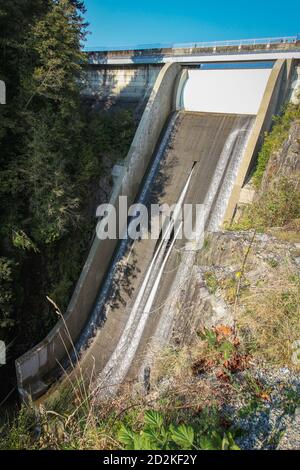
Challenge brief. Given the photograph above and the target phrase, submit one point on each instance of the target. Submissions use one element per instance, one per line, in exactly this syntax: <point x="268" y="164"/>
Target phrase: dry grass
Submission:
<point x="269" y="317"/>
<point x="289" y="233"/>
<point x="264" y="298"/>
<point x="197" y="376"/>
<point x="289" y="236"/>
<point x="69" y="419"/>
<point x="185" y="381"/>
<point x="61" y="424"/>
<point x="278" y="206"/>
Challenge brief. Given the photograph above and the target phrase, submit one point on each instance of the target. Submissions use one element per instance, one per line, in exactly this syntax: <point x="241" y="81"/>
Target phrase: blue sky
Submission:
<point x="132" y="22"/>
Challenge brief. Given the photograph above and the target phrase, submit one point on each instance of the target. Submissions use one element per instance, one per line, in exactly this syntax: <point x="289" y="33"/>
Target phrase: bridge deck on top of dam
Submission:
<point x="260" y="49"/>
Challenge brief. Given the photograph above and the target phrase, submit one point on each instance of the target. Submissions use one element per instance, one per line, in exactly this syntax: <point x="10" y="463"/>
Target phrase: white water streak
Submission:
<point x="119" y="363"/>
<point x="241" y="142"/>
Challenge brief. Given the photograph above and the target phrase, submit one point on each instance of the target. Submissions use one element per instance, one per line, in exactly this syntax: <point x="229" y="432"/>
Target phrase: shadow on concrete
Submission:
<point x="121" y="86"/>
<point x="122" y="287"/>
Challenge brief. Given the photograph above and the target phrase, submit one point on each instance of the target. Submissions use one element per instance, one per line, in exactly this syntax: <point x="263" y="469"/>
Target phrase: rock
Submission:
<point x="285" y="162"/>
<point x="290" y="439"/>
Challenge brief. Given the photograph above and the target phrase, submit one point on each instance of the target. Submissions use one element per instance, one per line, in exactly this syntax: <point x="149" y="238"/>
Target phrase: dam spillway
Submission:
<point x="179" y="153"/>
<point x="198" y="152"/>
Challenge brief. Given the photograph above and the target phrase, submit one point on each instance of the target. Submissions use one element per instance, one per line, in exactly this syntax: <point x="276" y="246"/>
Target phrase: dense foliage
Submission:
<point x="52" y="147"/>
<point x="275" y="139"/>
<point x="156" y="435"/>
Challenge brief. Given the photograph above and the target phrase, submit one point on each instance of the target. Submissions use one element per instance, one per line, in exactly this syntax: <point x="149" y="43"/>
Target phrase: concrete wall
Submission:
<point x="127" y="83"/>
<point x="35" y="368"/>
<point x="273" y="98"/>
<point x="181" y="81"/>
<point x="294" y="91"/>
<point x="237" y="91"/>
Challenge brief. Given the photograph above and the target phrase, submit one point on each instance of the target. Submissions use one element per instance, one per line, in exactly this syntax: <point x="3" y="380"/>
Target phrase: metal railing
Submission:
<point x="198" y="45"/>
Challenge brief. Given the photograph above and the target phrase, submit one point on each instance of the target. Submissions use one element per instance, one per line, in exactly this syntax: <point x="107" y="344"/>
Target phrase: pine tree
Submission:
<point x="41" y="136"/>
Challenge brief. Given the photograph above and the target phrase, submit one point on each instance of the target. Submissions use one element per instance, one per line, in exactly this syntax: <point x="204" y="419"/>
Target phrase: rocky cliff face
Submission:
<point x="285" y="162"/>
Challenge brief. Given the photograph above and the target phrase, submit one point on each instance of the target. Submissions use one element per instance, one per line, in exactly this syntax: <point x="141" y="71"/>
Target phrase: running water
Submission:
<point x="230" y="161"/>
<point x="119" y="363"/>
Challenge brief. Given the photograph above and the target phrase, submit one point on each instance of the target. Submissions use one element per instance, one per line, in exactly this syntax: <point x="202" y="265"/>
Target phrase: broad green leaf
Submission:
<point x="148" y="444"/>
<point x="154" y="436"/>
<point x="183" y="436"/>
<point x="126" y="437"/>
<point x="225" y="443"/>
<point x="217" y="439"/>
<point x="206" y="443"/>
<point x="234" y="447"/>
<point x="227" y="349"/>
<point x="142" y="442"/>
<point x="165" y="434"/>
<point x="153" y="418"/>
<point x="138" y="442"/>
<point x="210" y="337"/>
<point x="232" y="444"/>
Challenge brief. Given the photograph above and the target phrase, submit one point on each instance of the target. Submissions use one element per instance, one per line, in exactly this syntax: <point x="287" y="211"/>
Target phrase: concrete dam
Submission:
<point x="196" y="143"/>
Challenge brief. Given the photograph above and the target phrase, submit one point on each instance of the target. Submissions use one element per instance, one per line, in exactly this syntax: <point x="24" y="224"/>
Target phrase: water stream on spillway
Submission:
<point x="235" y="147"/>
<point x="215" y="204"/>
<point x="119" y="363"/>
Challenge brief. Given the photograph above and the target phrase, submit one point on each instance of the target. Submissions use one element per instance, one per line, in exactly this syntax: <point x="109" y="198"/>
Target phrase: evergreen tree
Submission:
<point x="41" y="137"/>
<point x="49" y="163"/>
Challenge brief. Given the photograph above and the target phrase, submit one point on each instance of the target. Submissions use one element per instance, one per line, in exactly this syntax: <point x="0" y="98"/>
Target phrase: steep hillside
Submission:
<point x="276" y="181"/>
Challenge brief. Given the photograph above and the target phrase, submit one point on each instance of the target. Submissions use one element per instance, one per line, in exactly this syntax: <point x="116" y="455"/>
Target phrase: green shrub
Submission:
<point x="274" y="140"/>
<point x="277" y="207"/>
<point x="211" y="282"/>
<point x="6" y="293"/>
<point x="156" y="435"/>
